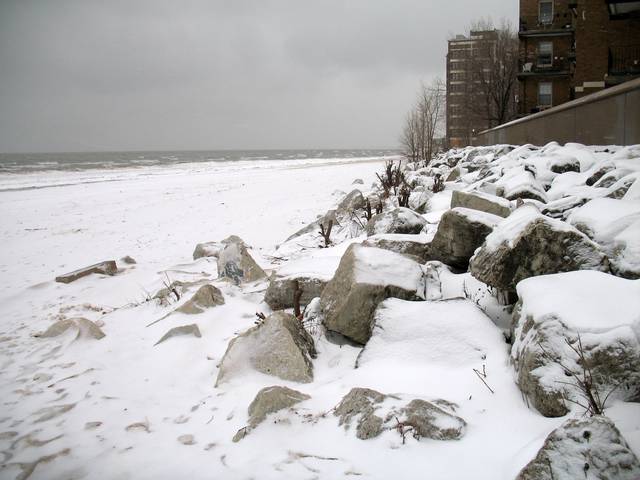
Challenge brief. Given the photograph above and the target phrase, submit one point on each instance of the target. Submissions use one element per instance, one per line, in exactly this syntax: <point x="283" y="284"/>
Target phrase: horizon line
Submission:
<point x="44" y="152"/>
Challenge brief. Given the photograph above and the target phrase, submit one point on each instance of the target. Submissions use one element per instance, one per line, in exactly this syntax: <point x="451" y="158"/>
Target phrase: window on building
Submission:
<point x="545" y="94"/>
<point x="545" y="54"/>
<point x="545" y="12"/>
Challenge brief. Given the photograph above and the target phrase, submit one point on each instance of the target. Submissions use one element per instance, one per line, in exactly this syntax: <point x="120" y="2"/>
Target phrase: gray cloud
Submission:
<point x="85" y="75"/>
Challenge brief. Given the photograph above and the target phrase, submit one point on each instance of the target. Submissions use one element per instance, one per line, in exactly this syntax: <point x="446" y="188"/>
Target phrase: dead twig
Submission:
<point x="482" y="376"/>
<point x="326" y="233"/>
<point x="297" y="294"/>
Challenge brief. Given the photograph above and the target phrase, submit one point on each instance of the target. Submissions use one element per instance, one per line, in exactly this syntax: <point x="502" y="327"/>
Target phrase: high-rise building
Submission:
<point x="464" y="56"/>
<point x="570" y="48"/>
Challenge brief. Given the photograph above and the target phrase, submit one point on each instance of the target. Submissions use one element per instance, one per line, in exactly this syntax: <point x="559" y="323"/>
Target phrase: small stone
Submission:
<point x="207" y="296"/>
<point x="187" y="439"/>
<point x="106" y="268"/>
<point x="181" y="331"/>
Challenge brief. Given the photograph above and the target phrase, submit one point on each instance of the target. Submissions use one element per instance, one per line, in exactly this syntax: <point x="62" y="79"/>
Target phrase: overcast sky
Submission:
<point x="220" y="74"/>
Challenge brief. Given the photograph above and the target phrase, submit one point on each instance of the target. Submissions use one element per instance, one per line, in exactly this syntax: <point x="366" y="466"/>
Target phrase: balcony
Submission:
<point x="623" y="9"/>
<point x="532" y="67"/>
<point x="624" y="61"/>
<point x="533" y="27"/>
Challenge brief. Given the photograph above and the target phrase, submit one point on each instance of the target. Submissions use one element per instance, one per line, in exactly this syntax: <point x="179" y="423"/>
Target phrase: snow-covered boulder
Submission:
<point x="614" y="224"/>
<point x="212" y="249"/>
<point x="483" y="202"/>
<point x="564" y="163"/>
<point x="414" y="246"/>
<point x="83" y="327"/>
<point x="422" y="333"/>
<point x="374" y="413"/>
<point x="206" y="297"/>
<point x="312" y="272"/>
<point x="399" y="220"/>
<point x="364" y="278"/>
<point x="559" y="316"/>
<point x="589" y="448"/>
<point x="460" y="232"/>
<point x="281" y="290"/>
<point x="622" y="186"/>
<point x="208" y="249"/>
<point x="351" y="202"/>
<point x="528" y="244"/>
<point x="419" y="200"/>
<point x="598" y="171"/>
<point x="520" y="183"/>
<point x="279" y="346"/>
<point x="269" y="400"/>
<point x="236" y="264"/>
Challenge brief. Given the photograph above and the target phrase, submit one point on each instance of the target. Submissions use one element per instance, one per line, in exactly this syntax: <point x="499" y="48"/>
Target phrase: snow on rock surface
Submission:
<point x="614" y="224"/>
<point x="589" y="448"/>
<point x="481" y="201"/>
<point x="556" y="317"/>
<point x="365" y="277"/>
<point x="528" y="244"/>
<point x="399" y="220"/>
<point x="450" y="332"/>
<point x="415" y="246"/>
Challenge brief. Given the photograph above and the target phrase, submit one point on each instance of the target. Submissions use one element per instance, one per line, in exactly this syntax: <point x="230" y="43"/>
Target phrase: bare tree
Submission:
<point x="409" y="139"/>
<point x="431" y="113"/>
<point x="494" y="72"/>
<point x="423" y="122"/>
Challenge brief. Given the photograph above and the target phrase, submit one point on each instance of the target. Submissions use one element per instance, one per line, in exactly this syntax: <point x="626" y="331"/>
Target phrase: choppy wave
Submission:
<point x="79" y="169"/>
<point x="77" y="162"/>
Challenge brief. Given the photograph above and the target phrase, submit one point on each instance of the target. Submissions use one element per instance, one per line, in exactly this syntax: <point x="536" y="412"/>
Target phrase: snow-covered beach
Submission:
<point x="124" y="407"/>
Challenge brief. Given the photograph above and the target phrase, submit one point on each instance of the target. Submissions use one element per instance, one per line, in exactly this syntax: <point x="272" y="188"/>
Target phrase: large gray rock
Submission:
<point x="278" y="347"/>
<point x="589" y="448"/>
<point x="364" y="278"/>
<point x="206" y="297"/>
<point x="398" y="220"/>
<point x="272" y="399"/>
<point x="280" y="292"/>
<point x="481" y="201"/>
<point x="528" y="244"/>
<point x="351" y="202"/>
<point x="269" y="400"/>
<point x="85" y="329"/>
<point x="413" y="246"/>
<point x="419" y="200"/>
<point x="236" y="264"/>
<point x="374" y="413"/>
<point x="550" y="335"/>
<point x="460" y="232"/>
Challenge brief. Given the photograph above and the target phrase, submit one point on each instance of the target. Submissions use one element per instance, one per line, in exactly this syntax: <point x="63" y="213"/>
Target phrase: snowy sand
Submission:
<point x="121" y="407"/>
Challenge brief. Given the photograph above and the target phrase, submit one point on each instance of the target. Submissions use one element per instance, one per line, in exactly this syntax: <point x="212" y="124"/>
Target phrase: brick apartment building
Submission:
<point x="570" y="48"/>
<point x="463" y="56"/>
